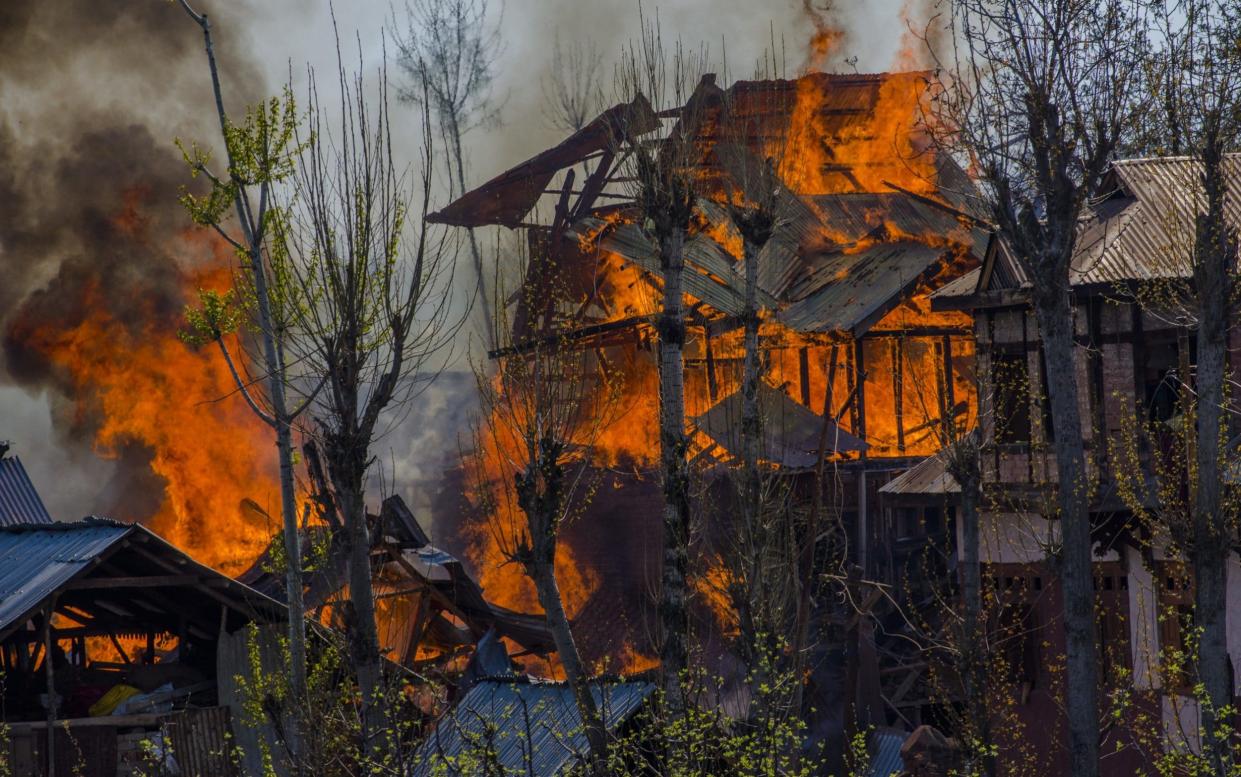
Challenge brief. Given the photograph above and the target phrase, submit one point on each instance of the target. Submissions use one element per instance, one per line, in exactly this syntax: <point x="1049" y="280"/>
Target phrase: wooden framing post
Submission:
<point x="50" y="673"/>
<point x="898" y="389"/>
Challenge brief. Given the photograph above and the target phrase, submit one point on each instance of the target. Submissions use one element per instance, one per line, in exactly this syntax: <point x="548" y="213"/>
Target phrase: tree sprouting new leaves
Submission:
<point x="262" y="151"/>
<point x="217" y="315"/>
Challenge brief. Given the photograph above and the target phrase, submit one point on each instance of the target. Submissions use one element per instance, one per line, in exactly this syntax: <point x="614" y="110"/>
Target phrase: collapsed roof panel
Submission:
<point x="528" y="726"/>
<point x="791" y="430"/>
<point x="849" y="292"/>
<point x="708" y="276"/>
<point x="506" y="199"/>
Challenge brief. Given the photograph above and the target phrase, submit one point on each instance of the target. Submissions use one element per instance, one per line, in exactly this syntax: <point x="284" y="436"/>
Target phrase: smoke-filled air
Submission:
<point x="499" y="388"/>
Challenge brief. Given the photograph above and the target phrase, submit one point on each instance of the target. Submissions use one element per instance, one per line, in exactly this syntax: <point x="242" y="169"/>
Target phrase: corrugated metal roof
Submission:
<point x="928" y="477"/>
<point x="885" y="746"/>
<point x="35" y="561"/>
<point x="848" y="292"/>
<point x="19" y="502"/>
<point x="1144" y="229"/>
<point x="533" y="727"/>
<point x="38" y="559"/>
<point x="709" y="275"/>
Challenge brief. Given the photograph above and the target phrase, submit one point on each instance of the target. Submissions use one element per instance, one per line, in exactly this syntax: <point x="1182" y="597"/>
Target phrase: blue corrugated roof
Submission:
<point x="36" y="561"/>
<point x="19" y="502"/>
<point x="886" y="753"/>
<point x="532" y="726"/>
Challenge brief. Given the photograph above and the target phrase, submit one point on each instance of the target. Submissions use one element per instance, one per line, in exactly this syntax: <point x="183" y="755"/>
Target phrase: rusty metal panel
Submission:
<point x="200" y="739"/>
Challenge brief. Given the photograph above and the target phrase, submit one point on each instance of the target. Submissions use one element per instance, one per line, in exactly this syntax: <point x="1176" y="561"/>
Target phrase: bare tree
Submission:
<point x="378" y="324"/>
<point x="1196" y="75"/>
<point x="541" y="413"/>
<point x="448" y="52"/>
<point x="664" y="190"/>
<point x="1039" y="95"/>
<point x="259" y="157"/>
<point x="572" y="86"/>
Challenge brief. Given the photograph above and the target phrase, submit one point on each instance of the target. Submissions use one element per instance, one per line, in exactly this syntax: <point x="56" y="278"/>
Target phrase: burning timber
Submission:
<point x="860" y="372"/>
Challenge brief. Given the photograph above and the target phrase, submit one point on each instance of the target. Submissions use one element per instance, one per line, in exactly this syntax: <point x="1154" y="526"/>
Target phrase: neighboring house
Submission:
<point x="1134" y="361"/>
<point x="524" y="725"/>
<point x="126" y="618"/>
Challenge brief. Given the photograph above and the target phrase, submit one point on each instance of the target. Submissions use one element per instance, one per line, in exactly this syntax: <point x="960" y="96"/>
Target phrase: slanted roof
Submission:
<point x="35" y="563"/>
<point x="1142" y="228"/>
<point x="523" y="721"/>
<point x="506" y="199"/>
<point x="791" y="430"/>
<point x="927" y="478"/>
<point x="850" y="292"/>
<point x="19" y="502"/>
<point x="125" y="565"/>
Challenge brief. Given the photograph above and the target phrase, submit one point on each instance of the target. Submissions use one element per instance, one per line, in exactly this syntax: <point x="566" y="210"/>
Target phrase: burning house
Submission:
<point x="871" y="221"/>
<point x="1135" y="367"/>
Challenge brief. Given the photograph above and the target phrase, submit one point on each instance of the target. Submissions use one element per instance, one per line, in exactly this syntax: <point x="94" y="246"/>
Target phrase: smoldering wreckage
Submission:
<point x="890" y="312"/>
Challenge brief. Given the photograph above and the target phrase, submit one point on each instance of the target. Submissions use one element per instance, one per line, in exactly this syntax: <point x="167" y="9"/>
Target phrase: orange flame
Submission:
<point x="152" y="390"/>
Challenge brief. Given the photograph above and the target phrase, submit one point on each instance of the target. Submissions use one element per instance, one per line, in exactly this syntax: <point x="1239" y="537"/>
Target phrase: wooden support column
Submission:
<point x="898" y="399"/>
<point x="713" y="386"/>
<point x="863" y="519"/>
<point x="829" y="402"/>
<point x="949" y="393"/>
<point x="803" y="364"/>
<point x="859" y="365"/>
<point x="50" y="673"/>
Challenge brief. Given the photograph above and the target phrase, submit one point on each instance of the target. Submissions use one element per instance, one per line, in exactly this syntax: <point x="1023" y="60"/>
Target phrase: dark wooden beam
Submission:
<point x="139" y="581"/>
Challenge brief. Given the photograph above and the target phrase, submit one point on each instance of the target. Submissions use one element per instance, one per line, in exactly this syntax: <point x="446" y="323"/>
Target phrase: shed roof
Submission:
<point x="885" y="747"/>
<point x="19" y="502"/>
<point x="38" y="561"/>
<point x="523" y="721"/>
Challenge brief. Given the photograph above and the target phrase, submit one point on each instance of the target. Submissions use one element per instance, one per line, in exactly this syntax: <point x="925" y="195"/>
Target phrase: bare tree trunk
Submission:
<point x="1211" y="542"/>
<point x="575" y="672"/>
<point x="363" y="634"/>
<point x="454" y="128"/>
<point x="751" y="422"/>
<point x="288" y="499"/>
<point x="674" y="616"/>
<point x="541" y="496"/>
<point x="1052" y="304"/>
<point x="280" y="414"/>
<point x="964" y="467"/>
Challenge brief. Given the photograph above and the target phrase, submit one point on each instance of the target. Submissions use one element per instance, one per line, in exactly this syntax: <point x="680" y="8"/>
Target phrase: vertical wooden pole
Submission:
<point x="949" y="393"/>
<point x="898" y="390"/>
<point x="50" y="673"/>
<point x="803" y="363"/>
<point x="859" y="403"/>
